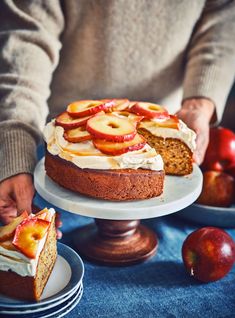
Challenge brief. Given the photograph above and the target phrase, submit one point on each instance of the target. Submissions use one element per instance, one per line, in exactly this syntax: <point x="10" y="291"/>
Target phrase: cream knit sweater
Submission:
<point x="53" y="52"/>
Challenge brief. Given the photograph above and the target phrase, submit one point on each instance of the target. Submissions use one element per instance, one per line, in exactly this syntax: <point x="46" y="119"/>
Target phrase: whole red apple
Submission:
<point x="231" y="170"/>
<point x="220" y="153"/>
<point x="208" y="254"/>
<point x="218" y="189"/>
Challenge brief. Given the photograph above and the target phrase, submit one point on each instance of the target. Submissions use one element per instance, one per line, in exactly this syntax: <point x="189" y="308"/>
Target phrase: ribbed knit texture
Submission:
<point x="160" y="51"/>
<point x="17" y="152"/>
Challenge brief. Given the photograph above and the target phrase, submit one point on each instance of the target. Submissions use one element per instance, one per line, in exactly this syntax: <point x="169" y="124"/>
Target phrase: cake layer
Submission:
<point x="31" y="287"/>
<point x="115" y="185"/>
<point x="85" y="155"/>
<point x="176" y="155"/>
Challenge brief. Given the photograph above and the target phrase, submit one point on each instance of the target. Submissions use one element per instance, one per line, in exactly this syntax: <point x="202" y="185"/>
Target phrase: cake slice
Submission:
<point x="171" y="137"/>
<point x="27" y="255"/>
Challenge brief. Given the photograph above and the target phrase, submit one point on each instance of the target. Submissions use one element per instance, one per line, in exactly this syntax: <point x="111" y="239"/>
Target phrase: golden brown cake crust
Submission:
<point x="176" y="155"/>
<point x="114" y="185"/>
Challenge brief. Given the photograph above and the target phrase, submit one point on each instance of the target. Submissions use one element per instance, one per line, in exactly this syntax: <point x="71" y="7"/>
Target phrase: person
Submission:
<point x="179" y="54"/>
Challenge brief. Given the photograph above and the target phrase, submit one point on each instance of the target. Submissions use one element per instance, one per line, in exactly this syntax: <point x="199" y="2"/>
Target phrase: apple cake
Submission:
<point x="114" y="149"/>
<point x="27" y="254"/>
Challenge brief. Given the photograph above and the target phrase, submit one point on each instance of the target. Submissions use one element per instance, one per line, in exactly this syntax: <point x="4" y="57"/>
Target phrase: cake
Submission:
<point x="114" y="149"/>
<point x="27" y="254"/>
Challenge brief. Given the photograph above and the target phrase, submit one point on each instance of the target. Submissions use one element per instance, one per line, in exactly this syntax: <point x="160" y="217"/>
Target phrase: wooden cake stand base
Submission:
<point x="118" y="243"/>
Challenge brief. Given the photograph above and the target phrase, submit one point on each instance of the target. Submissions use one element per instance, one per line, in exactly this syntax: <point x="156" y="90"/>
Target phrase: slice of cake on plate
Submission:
<point x="27" y="254"/>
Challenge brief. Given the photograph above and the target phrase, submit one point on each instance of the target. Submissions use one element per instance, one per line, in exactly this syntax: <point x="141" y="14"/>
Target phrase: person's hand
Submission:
<point x="16" y="196"/>
<point x="197" y="114"/>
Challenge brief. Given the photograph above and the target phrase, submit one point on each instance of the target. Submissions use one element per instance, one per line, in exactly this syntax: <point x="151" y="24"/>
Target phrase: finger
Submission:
<point x="202" y="143"/>
<point x="24" y="199"/>
<point x="58" y="222"/>
<point x="5" y="203"/>
<point x="58" y="234"/>
<point x="7" y="215"/>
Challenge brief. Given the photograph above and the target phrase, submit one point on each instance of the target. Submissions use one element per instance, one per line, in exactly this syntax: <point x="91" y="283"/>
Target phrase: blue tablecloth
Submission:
<point x="159" y="287"/>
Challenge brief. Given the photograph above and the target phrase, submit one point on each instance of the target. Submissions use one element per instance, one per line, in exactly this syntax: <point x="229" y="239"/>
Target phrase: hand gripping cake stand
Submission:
<point x="117" y="237"/>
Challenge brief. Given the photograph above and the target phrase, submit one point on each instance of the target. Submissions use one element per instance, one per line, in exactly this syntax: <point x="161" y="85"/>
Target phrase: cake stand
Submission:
<point x="117" y="237"/>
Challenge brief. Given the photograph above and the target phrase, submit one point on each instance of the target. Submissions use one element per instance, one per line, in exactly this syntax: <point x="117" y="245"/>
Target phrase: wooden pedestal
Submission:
<point x="117" y="243"/>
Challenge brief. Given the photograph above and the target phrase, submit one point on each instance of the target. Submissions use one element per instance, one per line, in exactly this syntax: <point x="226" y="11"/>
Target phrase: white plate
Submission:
<point x="209" y="215"/>
<point x="58" y="311"/>
<point x="70" y="264"/>
<point x="30" y="311"/>
<point x="178" y="193"/>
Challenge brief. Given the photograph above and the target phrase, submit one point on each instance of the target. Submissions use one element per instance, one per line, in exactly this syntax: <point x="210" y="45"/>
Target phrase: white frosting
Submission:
<point x="85" y="155"/>
<point x="188" y="136"/>
<point x="18" y="262"/>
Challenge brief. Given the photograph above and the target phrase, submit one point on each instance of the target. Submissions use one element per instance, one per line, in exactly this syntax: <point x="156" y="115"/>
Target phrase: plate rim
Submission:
<point x="215" y="208"/>
<point x="97" y="208"/>
<point x="37" y="310"/>
<point x="61" y="248"/>
<point x="71" y="299"/>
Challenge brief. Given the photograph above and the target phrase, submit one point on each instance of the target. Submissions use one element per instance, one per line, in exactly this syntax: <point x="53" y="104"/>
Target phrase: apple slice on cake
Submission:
<point x="28" y="234"/>
<point x="149" y="110"/>
<point x="8" y="230"/>
<point x="119" y="148"/>
<point x="67" y="122"/>
<point x="77" y="135"/>
<point x="88" y="107"/>
<point x="111" y="128"/>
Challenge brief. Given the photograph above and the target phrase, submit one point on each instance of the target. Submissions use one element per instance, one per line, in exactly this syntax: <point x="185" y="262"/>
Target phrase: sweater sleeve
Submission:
<point x="210" y="63"/>
<point x="29" y="53"/>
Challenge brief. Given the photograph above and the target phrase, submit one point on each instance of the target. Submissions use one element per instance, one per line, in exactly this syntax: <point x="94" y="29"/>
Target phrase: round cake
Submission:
<point x="115" y="184"/>
<point x="105" y="149"/>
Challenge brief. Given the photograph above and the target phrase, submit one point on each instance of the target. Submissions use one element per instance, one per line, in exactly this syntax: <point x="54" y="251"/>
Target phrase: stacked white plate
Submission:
<point x="62" y="293"/>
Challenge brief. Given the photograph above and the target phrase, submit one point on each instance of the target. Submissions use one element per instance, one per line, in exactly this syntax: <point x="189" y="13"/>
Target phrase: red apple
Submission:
<point x="220" y="153"/>
<point x="231" y="170"/>
<point x="218" y="189"/>
<point x="208" y="254"/>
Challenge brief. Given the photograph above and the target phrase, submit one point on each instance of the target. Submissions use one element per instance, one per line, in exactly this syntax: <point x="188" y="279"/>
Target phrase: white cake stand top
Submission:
<point x="179" y="192"/>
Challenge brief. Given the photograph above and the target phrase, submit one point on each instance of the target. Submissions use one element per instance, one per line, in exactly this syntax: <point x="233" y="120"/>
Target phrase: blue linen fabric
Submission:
<point x="159" y="287"/>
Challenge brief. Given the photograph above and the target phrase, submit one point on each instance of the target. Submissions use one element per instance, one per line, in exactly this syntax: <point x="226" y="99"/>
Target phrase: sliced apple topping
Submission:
<point x="28" y="234"/>
<point x="171" y="122"/>
<point x="149" y="110"/>
<point x="77" y="135"/>
<point x="131" y="116"/>
<point x="8" y="245"/>
<point x="43" y="215"/>
<point x="83" y="148"/>
<point x="120" y="104"/>
<point x="68" y="122"/>
<point x="111" y="128"/>
<point x="88" y="107"/>
<point x="8" y="230"/>
<point x="118" y="148"/>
